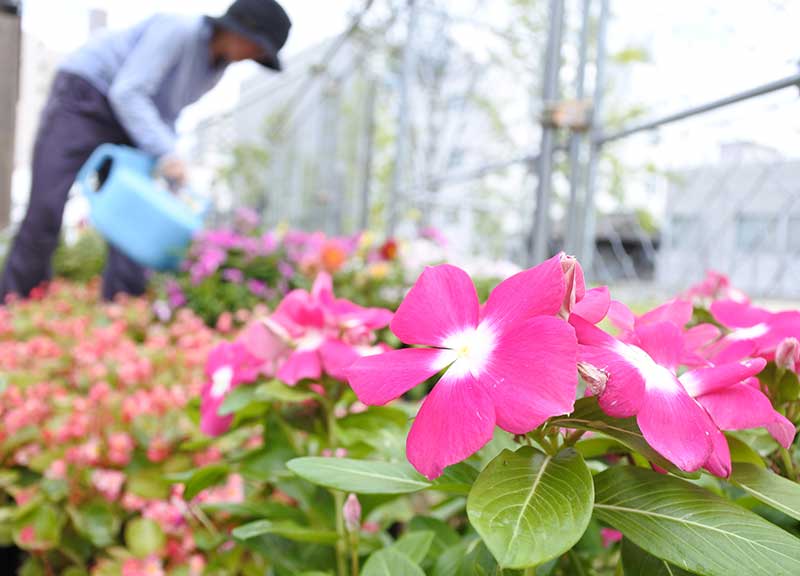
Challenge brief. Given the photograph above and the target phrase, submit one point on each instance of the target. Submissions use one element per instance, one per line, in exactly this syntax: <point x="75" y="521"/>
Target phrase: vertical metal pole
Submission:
<point x="9" y="93"/>
<point x="368" y="151"/>
<point x="589" y="215"/>
<point x="403" y="121"/>
<point x="572" y="238"/>
<point x="333" y="180"/>
<point x="540" y="235"/>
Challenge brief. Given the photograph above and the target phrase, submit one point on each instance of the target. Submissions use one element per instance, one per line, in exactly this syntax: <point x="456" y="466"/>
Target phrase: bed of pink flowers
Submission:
<point x="98" y="425"/>
<point x="547" y="429"/>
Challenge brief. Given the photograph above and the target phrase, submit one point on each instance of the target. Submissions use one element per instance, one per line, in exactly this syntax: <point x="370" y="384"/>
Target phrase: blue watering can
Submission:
<point x="139" y="216"/>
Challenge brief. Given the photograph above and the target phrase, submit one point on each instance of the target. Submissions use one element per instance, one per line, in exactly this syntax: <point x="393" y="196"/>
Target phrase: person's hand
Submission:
<point x="173" y="169"/>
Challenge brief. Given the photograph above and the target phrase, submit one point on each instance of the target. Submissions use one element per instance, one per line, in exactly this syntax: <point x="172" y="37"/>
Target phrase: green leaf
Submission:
<point x="148" y="484"/>
<point x="204" y="478"/>
<point x="47" y="522"/>
<point x="778" y="492"/>
<point x="288" y="530"/>
<point x="415" y="545"/>
<point x="97" y="522"/>
<point x="444" y="535"/>
<point x="359" y="476"/>
<point x="529" y="507"/>
<point x="741" y="452"/>
<point x="589" y="416"/>
<point x="456" y="479"/>
<point x="691" y="527"/>
<point x="637" y="562"/>
<point x="277" y="391"/>
<point x="144" y="537"/>
<point x="466" y="558"/>
<point x="237" y="399"/>
<point x="388" y="562"/>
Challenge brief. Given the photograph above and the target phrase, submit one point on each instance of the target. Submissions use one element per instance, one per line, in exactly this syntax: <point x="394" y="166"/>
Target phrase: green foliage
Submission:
<point x="530" y="507"/>
<point x="82" y="260"/>
<point x="690" y="527"/>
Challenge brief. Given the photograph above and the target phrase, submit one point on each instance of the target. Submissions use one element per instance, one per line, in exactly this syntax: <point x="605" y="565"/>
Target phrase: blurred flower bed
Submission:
<point x="242" y="267"/>
<point x="99" y="406"/>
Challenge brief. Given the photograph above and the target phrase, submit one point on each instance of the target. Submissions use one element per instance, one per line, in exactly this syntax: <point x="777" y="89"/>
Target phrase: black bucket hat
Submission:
<point x="265" y="22"/>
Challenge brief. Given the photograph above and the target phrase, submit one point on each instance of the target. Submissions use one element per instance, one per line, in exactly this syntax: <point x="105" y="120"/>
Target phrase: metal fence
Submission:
<point x="390" y="126"/>
<point x="523" y="147"/>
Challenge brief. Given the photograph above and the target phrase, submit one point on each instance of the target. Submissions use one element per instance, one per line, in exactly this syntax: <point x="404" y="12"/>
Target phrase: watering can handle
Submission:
<point x="92" y="166"/>
<point x="202" y="202"/>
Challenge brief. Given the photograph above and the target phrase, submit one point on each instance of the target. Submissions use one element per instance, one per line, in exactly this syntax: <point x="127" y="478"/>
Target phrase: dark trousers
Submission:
<point x="76" y="120"/>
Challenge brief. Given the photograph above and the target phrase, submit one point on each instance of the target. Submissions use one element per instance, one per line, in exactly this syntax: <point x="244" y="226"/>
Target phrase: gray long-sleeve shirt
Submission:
<point x="149" y="73"/>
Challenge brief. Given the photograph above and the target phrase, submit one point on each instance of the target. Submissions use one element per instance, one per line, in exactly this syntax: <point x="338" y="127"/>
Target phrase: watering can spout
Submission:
<point x="136" y="214"/>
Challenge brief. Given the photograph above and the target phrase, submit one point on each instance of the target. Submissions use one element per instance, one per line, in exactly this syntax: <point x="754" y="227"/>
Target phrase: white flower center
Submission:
<point x="656" y="376"/>
<point x="221" y="381"/>
<point x="312" y="340"/>
<point x="749" y="333"/>
<point x="469" y="350"/>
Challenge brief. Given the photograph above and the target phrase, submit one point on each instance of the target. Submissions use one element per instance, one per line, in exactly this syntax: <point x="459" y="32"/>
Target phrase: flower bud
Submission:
<point x="787" y="355"/>
<point x="575" y="284"/>
<point x="352" y="514"/>
<point x="594" y="377"/>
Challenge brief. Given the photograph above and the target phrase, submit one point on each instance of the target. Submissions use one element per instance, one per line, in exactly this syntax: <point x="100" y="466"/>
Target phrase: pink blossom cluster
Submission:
<point x="513" y="362"/>
<point x="310" y="334"/>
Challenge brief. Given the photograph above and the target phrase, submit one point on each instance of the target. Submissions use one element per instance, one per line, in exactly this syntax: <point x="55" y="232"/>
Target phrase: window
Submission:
<point x="794" y="235"/>
<point x="755" y="233"/>
<point x="685" y="232"/>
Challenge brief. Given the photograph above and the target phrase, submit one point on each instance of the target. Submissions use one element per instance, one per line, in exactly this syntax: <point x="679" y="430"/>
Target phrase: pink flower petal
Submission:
<point x="700" y="336"/>
<point x="442" y="302"/>
<point x="379" y="379"/>
<point x="538" y="291"/>
<point x="624" y="390"/>
<point x="782" y="430"/>
<point x="594" y="305"/>
<point x="738" y="407"/>
<point x="676" y="426"/>
<point x="337" y="357"/>
<point x="531" y="374"/>
<point x="738" y="314"/>
<point x="709" y="379"/>
<point x="323" y="288"/>
<point x="730" y="350"/>
<point x="300" y="365"/>
<point x="297" y="311"/>
<point x="678" y="312"/>
<point x="719" y="463"/>
<point x="621" y="316"/>
<point x="261" y="342"/>
<point x="663" y="342"/>
<point x="455" y="421"/>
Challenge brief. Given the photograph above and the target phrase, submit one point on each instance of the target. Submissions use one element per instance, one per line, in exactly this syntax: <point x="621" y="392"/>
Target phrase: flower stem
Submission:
<point x="354" y="568"/>
<point x="338" y="497"/>
<point x="530" y="571"/>
<point x="341" y="548"/>
<point x="788" y="464"/>
<point x="573" y="437"/>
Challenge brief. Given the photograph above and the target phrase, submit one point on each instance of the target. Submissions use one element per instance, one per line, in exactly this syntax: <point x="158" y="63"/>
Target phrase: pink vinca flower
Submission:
<point x="511" y="364"/>
<point x="228" y="366"/>
<point x="678" y="312"/>
<point x="681" y="417"/>
<point x="754" y="331"/>
<point x="715" y="286"/>
<point x="324" y="334"/>
<point x="733" y="398"/>
<point x="591" y="305"/>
